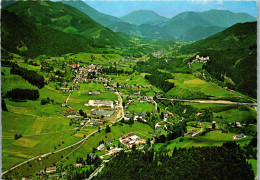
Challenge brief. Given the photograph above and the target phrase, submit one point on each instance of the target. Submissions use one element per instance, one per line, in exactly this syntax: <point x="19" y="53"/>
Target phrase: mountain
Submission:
<point x="198" y="32"/>
<point x="233" y="56"/>
<point x="27" y="39"/>
<point x="183" y="22"/>
<point x="126" y="28"/>
<point x="103" y="19"/>
<point x="154" y="32"/>
<point x="144" y="17"/>
<point x="225" y="18"/>
<point x="144" y="30"/>
<point x="64" y="18"/>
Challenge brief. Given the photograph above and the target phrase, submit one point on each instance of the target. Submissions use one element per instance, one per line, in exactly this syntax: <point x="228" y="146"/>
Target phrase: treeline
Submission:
<point x="225" y="162"/>
<point x="159" y="80"/>
<point x="31" y="76"/>
<point x="23" y="94"/>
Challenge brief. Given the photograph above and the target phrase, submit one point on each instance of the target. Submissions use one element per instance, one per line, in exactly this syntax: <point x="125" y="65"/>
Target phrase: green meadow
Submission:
<point x="194" y="84"/>
<point x="141" y="107"/>
<point x="212" y="138"/>
<point x="140" y="129"/>
<point x="79" y="98"/>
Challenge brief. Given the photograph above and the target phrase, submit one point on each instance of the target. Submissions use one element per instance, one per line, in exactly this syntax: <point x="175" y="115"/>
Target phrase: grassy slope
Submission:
<point x="141" y="107"/>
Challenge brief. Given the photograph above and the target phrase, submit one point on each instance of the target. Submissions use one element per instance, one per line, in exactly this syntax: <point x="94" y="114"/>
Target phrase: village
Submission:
<point x="101" y="113"/>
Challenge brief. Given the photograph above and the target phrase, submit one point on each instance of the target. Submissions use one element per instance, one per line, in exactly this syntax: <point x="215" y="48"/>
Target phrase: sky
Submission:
<point x="171" y="8"/>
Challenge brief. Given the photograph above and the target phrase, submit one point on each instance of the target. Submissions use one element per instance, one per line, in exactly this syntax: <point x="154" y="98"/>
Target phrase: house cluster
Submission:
<point x="91" y="122"/>
<point x="94" y="122"/>
<point x="157" y="54"/>
<point x="135" y="116"/>
<point x="236" y="124"/>
<point x="240" y="136"/>
<point x="73" y="65"/>
<point x="82" y="72"/>
<point x="67" y="88"/>
<point x="101" y="146"/>
<point x="193" y="131"/>
<point x="71" y="112"/>
<point x="200" y="59"/>
<point x="214" y="125"/>
<point x="131" y="139"/>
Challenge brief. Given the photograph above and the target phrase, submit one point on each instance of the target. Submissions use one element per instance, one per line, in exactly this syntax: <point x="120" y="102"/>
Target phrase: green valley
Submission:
<point x="136" y="101"/>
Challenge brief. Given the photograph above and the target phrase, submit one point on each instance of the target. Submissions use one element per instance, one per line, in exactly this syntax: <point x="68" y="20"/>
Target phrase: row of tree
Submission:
<point x="23" y="94"/>
<point x="31" y="76"/>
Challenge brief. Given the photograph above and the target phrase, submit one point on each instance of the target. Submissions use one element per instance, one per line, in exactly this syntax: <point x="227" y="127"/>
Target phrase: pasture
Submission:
<point x="79" y="98"/>
<point x="192" y="83"/>
<point x="212" y="138"/>
<point x="141" y="107"/>
<point x="141" y="130"/>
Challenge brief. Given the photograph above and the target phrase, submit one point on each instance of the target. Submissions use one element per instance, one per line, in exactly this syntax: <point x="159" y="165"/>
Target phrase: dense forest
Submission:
<point x="159" y="79"/>
<point x="31" y="76"/>
<point x="225" y="162"/>
<point x="232" y="54"/>
<point x="23" y="94"/>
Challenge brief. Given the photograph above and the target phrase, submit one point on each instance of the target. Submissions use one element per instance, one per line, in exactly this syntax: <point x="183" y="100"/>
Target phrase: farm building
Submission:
<point x="130" y="139"/>
<point x="99" y="103"/>
<point x="101" y="147"/>
<point x="51" y="169"/>
<point x="104" y="112"/>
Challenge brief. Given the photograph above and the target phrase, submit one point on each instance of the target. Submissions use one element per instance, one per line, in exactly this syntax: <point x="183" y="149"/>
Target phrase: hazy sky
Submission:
<point x="171" y="8"/>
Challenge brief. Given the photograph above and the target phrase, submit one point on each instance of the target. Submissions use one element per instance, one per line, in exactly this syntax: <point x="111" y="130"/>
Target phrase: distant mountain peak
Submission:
<point x="139" y="17"/>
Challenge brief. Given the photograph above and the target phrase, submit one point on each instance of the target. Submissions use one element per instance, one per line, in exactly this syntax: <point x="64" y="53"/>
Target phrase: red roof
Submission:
<point x="75" y="65"/>
<point x="138" y="89"/>
<point x="68" y="110"/>
<point x="72" y="109"/>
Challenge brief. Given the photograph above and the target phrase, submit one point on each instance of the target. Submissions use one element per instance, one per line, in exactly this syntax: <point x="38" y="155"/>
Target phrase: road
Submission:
<point x="81" y="141"/>
<point x="210" y="101"/>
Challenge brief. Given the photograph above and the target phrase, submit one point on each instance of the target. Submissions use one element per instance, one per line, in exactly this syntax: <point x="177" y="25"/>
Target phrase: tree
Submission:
<point x="107" y="130"/>
<point x="17" y="136"/>
<point x="81" y="112"/>
<point x="4" y="108"/>
<point x="133" y="147"/>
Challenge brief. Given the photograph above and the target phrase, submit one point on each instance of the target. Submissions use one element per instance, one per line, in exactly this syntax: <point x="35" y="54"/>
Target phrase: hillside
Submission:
<point x="232" y="55"/>
<point x="144" y="17"/>
<point x="38" y="40"/>
<point x="125" y="28"/>
<point x="103" y="19"/>
<point x="182" y="23"/>
<point x="65" y="18"/>
<point x="198" y="32"/>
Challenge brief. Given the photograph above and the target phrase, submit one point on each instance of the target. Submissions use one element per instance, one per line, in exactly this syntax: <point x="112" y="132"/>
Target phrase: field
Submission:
<point x="194" y="84"/>
<point x="79" y="98"/>
<point x="228" y="113"/>
<point x="10" y="81"/>
<point x="212" y="138"/>
<point x="140" y="107"/>
<point x="140" y="129"/>
<point x="90" y="58"/>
